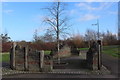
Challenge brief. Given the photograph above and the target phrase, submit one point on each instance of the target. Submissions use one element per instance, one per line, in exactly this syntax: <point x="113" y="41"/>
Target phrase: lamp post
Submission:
<point x="97" y="24"/>
<point x="99" y="46"/>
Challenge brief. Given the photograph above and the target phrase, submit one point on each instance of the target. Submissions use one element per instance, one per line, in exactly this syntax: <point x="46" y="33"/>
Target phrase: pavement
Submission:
<point x="112" y="64"/>
<point x="58" y="76"/>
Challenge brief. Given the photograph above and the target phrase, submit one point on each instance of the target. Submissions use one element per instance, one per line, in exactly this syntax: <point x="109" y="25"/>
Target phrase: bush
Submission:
<point x="6" y="46"/>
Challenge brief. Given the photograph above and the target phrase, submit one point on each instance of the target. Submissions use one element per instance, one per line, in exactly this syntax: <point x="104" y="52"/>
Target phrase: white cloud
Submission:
<point x="101" y="0"/>
<point x="3" y="0"/>
<point x="113" y="12"/>
<point x="60" y="0"/>
<point x="72" y="11"/>
<point x="88" y="17"/>
<point x="88" y="6"/>
<point x="38" y="18"/>
<point x="94" y="0"/>
<point x="8" y="11"/>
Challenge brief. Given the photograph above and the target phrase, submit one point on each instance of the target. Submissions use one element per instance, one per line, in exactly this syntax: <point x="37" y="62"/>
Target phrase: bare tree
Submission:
<point x="109" y="38"/>
<point x="5" y="37"/>
<point x="57" y="20"/>
<point x="90" y="35"/>
<point x="48" y="37"/>
<point x="77" y="40"/>
<point x="37" y="38"/>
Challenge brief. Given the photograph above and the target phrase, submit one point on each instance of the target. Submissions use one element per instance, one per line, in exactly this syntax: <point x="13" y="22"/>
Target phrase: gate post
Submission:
<point x="12" y="56"/>
<point x="41" y="56"/>
<point x="99" y="55"/>
<point x="26" y="58"/>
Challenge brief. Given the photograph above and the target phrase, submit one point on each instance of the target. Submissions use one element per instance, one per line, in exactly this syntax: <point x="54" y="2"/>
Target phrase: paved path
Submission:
<point x="58" y="76"/>
<point x="111" y="63"/>
<point x="108" y="61"/>
<point x="75" y="62"/>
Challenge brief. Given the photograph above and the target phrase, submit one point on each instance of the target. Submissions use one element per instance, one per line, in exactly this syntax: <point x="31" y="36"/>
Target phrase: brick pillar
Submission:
<point x="26" y="58"/>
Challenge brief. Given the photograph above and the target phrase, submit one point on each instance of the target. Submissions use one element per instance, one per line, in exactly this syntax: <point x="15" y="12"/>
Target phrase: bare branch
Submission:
<point x="50" y="22"/>
<point x="57" y="20"/>
<point x="50" y="10"/>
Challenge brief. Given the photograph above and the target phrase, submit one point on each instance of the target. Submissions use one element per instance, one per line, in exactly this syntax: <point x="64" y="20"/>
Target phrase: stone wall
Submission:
<point x="48" y="65"/>
<point x="24" y="58"/>
<point x="34" y="60"/>
<point x="65" y="51"/>
<point x="19" y="57"/>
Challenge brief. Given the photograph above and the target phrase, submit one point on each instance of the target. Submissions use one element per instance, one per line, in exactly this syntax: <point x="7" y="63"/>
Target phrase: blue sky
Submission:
<point x="20" y="19"/>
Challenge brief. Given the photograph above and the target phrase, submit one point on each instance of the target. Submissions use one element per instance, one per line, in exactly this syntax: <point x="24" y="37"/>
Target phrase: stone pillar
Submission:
<point x="93" y="56"/>
<point x="12" y="56"/>
<point x="26" y="58"/>
<point x="41" y="54"/>
<point x="51" y="65"/>
<point x="95" y="61"/>
<point x="99" y="55"/>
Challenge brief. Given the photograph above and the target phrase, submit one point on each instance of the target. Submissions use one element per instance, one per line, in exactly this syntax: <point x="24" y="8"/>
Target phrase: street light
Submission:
<point x="97" y="24"/>
<point x="99" y="52"/>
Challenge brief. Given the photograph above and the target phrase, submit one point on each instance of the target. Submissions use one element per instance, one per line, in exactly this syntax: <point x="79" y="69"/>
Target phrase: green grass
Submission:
<point x="82" y="48"/>
<point x="47" y="52"/>
<point x="111" y="50"/>
<point x="5" y="57"/>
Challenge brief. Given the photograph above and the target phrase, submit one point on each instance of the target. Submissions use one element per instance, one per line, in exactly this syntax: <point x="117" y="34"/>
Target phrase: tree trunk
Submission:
<point x="58" y="48"/>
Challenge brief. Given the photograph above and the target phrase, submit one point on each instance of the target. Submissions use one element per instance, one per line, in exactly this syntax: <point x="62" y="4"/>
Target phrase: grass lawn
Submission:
<point x="82" y="48"/>
<point x="5" y="57"/>
<point x="111" y="50"/>
<point x="47" y="52"/>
